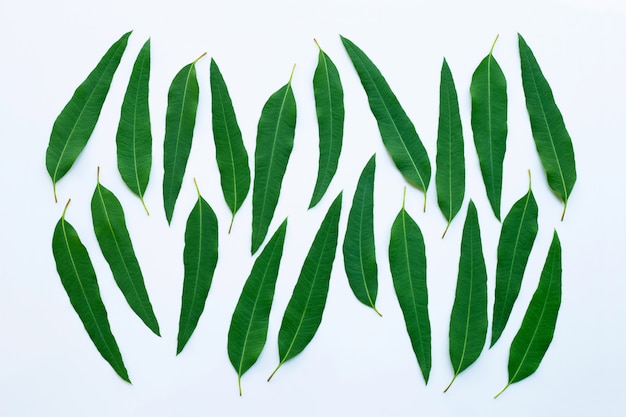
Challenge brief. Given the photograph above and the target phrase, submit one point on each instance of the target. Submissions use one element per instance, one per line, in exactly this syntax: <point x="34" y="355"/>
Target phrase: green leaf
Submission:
<point x="468" y="321"/>
<point x="77" y="120"/>
<point x="134" y="136"/>
<point x="407" y="260"/>
<point x="200" y="259"/>
<point x="182" y="104"/>
<point x="79" y="280"/>
<point x="231" y="155"/>
<point x="519" y="230"/>
<point x="110" y="228"/>
<point x="553" y="143"/>
<point x="328" y="94"/>
<point x="303" y="314"/>
<point x="396" y="129"/>
<point x="489" y="124"/>
<point x="450" y="175"/>
<point x="248" y="327"/>
<point x="535" y="334"/>
<point x="359" y="252"/>
<point x="274" y="142"/>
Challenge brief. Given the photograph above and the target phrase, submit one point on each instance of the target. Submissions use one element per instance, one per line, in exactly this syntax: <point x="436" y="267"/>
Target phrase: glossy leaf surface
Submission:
<point x="200" y="259"/>
<point x="537" y="330"/>
<point x="274" y="143"/>
<point x="396" y="129"/>
<point x="79" y="280"/>
<point x="328" y="94"/>
<point x="134" y="133"/>
<point x="468" y="321"/>
<point x="407" y="260"/>
<point x="248" y="327"/>
<point x="303" y="314"/>
<point x="77" y="120"/>
<point x="359" y="251"/>
<point x="489" y="124"/>
<point x="110" y="227"/>
<point x="450" y="175"/>
<point x="552" y="140"/>
<point x="231" y="155"/>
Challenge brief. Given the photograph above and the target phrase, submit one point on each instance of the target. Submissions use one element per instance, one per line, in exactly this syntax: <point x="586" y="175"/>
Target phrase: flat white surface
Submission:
<point x="358" y="363"/>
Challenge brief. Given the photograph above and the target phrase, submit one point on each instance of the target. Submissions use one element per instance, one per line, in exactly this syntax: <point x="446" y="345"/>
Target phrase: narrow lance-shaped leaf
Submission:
<point x="200" y="259"/>
<point x="537" y="330"/>
<point x="328" y="94"/>
<point x="303" y="314"/>
<point x="231" y="155"/>
<point x="182" y="105"/>
<point x="114" y="240"/>
<point x="77" y="120"/>
<point x="248" y="327"/>
<point x="359" y="252"/>
<point x="79" y="280"/>
<point x="396" y="129"/>
<point x="134" y="134"/>
<point x="489" y="124"/>
<point x="274" y="142"/>
<point x="468" y="321"/>
<point x="450" y="175"/>
<point x="407" y="260"/>
<point x="552" y="140"/>
<point x="519" y="230"/>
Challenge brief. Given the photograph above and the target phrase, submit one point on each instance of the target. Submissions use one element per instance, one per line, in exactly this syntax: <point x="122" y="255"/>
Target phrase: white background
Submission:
<point x="358" y="363"/>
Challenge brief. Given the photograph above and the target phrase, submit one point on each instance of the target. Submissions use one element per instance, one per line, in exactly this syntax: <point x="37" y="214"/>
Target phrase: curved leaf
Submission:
<point x="450" y="175"/>
<point x="182" y="104"/>
<point x="328" y="94"/>
<point x="200" y="259"/>
<point x="134" y="135"/>
<point x="519" y="230"/>
<point x="79" y="280"/>
<point x="552" y="140"/>
<point x="468" y="321"/>
<point x="110" y="228"/>
<point x="359" y="252"/>
<point x="77" y="120"/>
<point x="303" y="314"/>
<point x="231" y="155"/>
<point x="407" y="260"/>
<point x="535" y="334"/>
<point x="489" y="124"/>
<point x="274" y="142"/>
<point x="248" y="327"/>
<point x="396" y="129"/>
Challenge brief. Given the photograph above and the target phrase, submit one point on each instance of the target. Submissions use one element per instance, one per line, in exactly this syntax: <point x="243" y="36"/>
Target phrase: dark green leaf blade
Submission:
<point x="249" y="324"/>
<point x="328" y="93"/>
<point x="359" y="251"/>
<point x="231" y="155"/>
<point x="450" y="175"/>
<point x="519" y="230"/>
<point x="537" y="330"/>
<point x="552" y="140"/>
<point x="77" y="120"/>
<point x="79" y="280"/>
<point x="200" y="260"/>
<point x="180" y="120"/>
<point x="407" y="261"/>
<point x="274" y="142"/>
<point x="303" y="314"/>
<point x="396" y="129"/>
<point x="134" y="132"/>
<point x="489" y="124"/>
<point x="114" y="240"/>
<point x="468" y="320"/>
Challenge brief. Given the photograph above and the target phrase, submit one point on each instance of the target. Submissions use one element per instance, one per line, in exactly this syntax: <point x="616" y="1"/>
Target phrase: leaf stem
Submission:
<point x="277" y="368"/>
<point x="318" y="45"/>
<point x="144" y="205"/>
<point x="65" y="209"/>
<point x="494" y="44"/>
<point x="54" y="190"/>
<point x="239" y="384"/>
<point x="450" y="384"/>
<point x="446" y="231"/>
<point x="196" y="184"/>
<point x="564" y="208"/>
<point x="232" y="220"/>
<point x="198" y="59"/>
<point x="503" y="389"/>
<point x="293" y="69"/>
